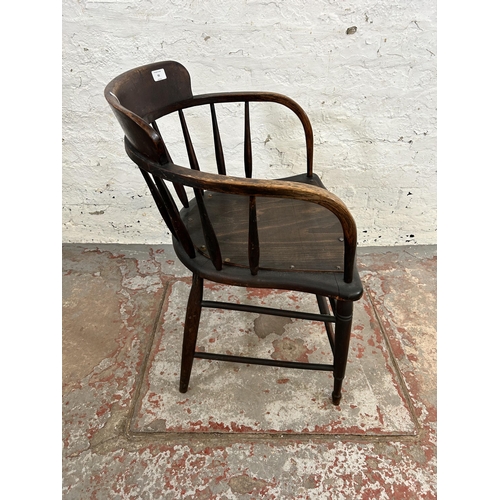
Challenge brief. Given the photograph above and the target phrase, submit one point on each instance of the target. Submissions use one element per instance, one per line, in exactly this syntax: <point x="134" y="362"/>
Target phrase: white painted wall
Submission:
<point x="371" y="98"/>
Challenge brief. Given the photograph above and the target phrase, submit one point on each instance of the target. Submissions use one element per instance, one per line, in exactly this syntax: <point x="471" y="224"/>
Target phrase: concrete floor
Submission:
<point x="244" y="431"/>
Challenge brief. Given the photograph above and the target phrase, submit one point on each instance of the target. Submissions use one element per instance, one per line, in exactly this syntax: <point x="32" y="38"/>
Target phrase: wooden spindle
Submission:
<point x="157" y="130"/>
<point x="159" y="202"/>
<point x="169" y="212"/>
<point x="253" y="237"/>
<point x="211" y="241"/>
<point x="248" y="142"/>
<point x="179" y="188"/>
<point x="208" y="231"/>
<point x="180" y="229"/>
<point x="219" y="154"/>
<point x="193" y="161"/>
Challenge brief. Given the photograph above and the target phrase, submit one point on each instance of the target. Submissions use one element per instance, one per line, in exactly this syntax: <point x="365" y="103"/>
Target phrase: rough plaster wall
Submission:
<point x="370" y="95"/>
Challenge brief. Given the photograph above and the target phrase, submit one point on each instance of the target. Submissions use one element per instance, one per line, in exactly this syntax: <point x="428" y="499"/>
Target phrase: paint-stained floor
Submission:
<point x="244" y="431"/>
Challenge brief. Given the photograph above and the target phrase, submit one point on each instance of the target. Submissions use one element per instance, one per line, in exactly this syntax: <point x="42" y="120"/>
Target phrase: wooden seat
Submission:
<point x="290" y="234"/>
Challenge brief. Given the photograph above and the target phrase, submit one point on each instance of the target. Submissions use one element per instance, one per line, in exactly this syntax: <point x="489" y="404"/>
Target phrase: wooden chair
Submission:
<point x="288" y="234"/>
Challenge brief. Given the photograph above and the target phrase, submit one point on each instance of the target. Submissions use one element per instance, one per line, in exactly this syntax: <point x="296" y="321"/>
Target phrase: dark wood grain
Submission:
<point x="292" y="235"/>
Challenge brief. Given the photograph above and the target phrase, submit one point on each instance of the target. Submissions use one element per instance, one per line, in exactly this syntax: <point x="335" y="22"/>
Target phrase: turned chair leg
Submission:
<point x="323" y="309"/>
<point x="343" y="324"/>
<point x="191" y="325"/>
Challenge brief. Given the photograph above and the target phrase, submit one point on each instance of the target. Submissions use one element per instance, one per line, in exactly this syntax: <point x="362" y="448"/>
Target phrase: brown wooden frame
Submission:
<point x="138" y="101"/>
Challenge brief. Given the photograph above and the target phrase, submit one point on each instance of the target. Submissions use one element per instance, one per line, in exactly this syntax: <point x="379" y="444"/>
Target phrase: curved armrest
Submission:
<point x="259" y="187"/>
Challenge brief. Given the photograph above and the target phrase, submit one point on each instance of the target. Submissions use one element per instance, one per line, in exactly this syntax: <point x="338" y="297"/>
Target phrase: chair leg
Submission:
<point x="323" y="309"/>
<point x="191" y="325"/>
<point x="342" y="338"/>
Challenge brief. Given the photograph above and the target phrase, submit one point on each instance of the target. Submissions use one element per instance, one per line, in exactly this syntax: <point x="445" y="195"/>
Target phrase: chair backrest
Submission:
<point x="137" y="98"/>
<point x="140" y="96"/>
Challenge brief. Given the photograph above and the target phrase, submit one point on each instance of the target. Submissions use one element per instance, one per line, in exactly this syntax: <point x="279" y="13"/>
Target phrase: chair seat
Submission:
<point x="301" y="244"/>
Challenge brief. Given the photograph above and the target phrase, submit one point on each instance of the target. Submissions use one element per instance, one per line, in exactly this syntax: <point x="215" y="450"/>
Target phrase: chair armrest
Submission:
<point x="259" y="187"/>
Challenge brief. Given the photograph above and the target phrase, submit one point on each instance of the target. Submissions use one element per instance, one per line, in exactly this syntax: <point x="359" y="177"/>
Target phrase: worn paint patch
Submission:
<point x="291" y="350"/>
<point x="265" y="325"/>
<point x="337" y="471"/>
<point x="245" y="484"/>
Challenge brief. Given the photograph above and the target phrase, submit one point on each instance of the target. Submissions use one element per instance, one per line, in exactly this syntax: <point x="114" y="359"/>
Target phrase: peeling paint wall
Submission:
<point x="364" y="71"/>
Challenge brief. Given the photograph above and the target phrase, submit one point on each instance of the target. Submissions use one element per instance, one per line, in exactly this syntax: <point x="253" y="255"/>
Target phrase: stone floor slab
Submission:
<point x="125" y="436"/>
